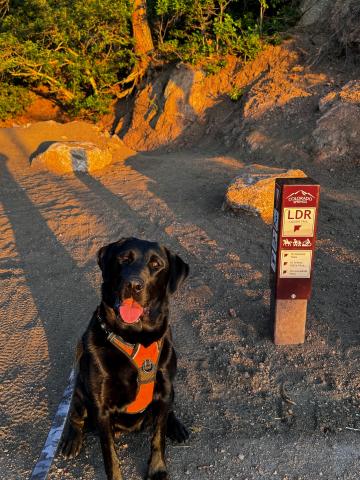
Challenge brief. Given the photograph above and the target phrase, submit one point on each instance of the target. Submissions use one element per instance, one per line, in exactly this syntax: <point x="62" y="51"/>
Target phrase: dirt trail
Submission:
<point x="231" y="382"/>
<point x="234" y="385"/>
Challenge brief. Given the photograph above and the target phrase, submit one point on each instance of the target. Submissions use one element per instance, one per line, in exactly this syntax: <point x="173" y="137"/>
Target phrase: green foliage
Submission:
<point x="13" y="100"/>
<point x="78" y="50"/>
<point x="193" y="29"/>
<point x="81" y="52"/>
<point x="213" y="67"/>
<point x="236" y="93"/>
<point x="286" y="16"/>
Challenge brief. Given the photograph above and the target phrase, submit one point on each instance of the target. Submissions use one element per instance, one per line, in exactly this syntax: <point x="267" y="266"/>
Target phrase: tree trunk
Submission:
<point x="141" y="29"/>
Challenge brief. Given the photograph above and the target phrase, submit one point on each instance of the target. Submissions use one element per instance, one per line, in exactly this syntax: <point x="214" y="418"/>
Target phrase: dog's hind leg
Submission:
<point x="73" y="434"/>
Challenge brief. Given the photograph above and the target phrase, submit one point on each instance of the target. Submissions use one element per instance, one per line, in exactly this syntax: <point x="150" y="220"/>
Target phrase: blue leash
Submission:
<point x="42" y="467"/>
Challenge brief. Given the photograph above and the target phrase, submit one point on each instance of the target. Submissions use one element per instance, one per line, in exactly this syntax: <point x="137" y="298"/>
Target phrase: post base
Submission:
<point x="290" y="321"/>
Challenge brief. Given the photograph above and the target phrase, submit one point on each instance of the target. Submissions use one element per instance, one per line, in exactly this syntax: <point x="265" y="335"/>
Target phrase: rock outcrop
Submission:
<point x="252" y="190"/>
<point x="184" y="106"/>
<point x="337" y="135"/>
<point x="345" y="23"/>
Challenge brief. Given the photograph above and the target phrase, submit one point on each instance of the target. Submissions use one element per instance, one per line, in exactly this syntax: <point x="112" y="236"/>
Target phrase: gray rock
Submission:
<point x="337" y="135"/>
<point x="314" y="11"/>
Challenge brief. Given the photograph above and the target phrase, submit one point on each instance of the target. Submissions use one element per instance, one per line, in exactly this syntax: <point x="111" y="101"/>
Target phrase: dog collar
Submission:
<point x="145" y="360"/>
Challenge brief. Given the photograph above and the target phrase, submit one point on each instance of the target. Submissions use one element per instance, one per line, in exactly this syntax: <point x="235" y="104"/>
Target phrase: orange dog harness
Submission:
<point x="146" y="360"/>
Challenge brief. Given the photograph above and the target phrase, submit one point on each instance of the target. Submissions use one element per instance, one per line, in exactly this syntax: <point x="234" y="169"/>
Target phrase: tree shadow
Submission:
<point x="57" y="285"/>
<point x="41" y="149"/>
<point x="60" y="292"/>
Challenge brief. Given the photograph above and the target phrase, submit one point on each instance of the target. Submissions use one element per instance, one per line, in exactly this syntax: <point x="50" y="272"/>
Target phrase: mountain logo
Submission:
<point x="300" y="197"/>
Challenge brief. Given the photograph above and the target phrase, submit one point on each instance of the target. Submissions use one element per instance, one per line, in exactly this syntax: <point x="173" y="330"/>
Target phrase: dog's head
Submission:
<point x="138" y="277"/>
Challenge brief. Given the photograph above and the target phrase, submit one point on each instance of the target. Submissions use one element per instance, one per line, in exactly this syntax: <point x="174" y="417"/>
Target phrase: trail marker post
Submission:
<point x="296" y="206"/>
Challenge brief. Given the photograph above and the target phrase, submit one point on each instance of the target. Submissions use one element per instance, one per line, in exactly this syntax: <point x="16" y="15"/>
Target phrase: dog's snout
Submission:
<point x="136" y="284"/>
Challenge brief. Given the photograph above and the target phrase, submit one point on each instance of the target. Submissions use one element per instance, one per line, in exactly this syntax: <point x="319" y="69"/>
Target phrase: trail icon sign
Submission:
<point x="292" y="256"/>
<point x="300" y="221"/>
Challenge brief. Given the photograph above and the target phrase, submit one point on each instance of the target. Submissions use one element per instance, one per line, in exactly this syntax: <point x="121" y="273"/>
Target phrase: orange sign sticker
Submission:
<point x="299" y="222"/>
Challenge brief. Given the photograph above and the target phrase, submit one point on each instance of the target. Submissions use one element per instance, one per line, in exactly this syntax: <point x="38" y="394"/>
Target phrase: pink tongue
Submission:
<point x="130" y="310"/>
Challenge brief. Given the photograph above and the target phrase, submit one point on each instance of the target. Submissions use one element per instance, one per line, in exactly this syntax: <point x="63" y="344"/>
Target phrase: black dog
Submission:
<point x="126" y="359"/>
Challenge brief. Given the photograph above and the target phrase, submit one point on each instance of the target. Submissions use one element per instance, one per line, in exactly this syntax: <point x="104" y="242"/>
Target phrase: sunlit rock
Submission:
<point x="252" y="190"/>
<point x="65" y="157"/>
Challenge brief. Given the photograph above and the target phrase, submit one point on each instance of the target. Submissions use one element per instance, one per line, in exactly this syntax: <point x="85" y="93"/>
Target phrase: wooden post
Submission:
<point x="296" y="206"/>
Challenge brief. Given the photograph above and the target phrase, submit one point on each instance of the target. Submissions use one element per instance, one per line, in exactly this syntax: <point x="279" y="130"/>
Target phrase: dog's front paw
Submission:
<point x="162" y="475"/>
<point x="176" y="431"/>
<point x="71" y="443"/>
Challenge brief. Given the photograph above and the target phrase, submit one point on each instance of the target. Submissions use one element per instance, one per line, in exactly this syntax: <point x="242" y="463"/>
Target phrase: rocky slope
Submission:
<point x="274" y="105"/>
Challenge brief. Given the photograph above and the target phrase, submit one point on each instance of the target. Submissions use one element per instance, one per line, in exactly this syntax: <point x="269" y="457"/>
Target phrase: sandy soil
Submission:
<point x="234" y="385"/>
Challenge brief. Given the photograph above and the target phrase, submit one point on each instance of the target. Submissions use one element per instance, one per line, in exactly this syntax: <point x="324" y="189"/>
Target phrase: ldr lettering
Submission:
<point x="299" y="215"/>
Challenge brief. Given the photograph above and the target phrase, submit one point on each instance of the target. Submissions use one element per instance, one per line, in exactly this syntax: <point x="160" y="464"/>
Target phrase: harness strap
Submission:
<point x="145" y="360"/>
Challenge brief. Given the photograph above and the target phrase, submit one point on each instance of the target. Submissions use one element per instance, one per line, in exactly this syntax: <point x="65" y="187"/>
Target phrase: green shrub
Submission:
<point x="13" y="100"/>
<point x="213" y="67"/>
<point x="193" y="29"/>
<point x="236" y="93"/>
<point x="78" y="50"/>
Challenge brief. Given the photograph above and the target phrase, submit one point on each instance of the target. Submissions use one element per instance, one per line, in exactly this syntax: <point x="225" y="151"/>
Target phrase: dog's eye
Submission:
<point x="154" y="265"/>
<point x="124" y="260"/>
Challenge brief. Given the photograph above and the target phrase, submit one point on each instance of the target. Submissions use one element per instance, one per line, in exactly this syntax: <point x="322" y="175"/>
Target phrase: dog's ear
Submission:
<point x="103" y="253"/>
<point x="101" y="257"/>
<point x="178" y="271"/>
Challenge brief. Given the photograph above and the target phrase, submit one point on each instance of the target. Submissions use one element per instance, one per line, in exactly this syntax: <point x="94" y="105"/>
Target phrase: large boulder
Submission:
<point x="63" y="157"/>
<point x="253" y="190"/>
<point x="340" y="19"/>
<point x="345" y="23"/>
<point x="337" y="134"/>
<point x="314" y="12"/>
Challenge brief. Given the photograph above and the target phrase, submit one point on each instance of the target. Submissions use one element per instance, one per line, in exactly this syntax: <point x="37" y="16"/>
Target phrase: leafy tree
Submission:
<point x="85" y="54"/>
<point x="79" y="51"/>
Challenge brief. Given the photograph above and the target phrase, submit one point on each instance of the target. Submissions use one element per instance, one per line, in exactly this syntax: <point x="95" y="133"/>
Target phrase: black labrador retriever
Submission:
<point x="126" y="360"/>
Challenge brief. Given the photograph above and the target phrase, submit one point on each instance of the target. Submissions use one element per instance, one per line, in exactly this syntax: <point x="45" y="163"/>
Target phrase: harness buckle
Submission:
<point x="147" y="366"/>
